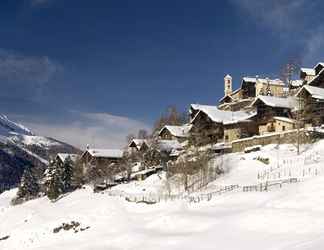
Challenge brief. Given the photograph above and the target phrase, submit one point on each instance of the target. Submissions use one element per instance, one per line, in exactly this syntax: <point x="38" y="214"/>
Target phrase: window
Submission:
<point x="283" y="128"/>
<point x="226" y="137"/>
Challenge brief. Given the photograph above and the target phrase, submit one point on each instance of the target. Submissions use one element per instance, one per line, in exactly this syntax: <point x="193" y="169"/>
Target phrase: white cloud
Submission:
<point x="97" y="129"/>
<point x="280" y="15"/>
<point x="314" y="48"/>
<point x="16" y="68"/>
<point x="294" y="22"/>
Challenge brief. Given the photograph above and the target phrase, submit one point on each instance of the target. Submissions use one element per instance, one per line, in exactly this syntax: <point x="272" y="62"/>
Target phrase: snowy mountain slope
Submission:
<point x="19" y="147"/>
<point x="285" y="219"/>
<point x="8" y="127"/>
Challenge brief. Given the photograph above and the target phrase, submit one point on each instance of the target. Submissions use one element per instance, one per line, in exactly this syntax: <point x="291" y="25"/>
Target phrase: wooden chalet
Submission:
<point x="211" y="125"/>
<point x="62" y="157"/>
<point x="311" y="100"/>
<point x="180" y="133"/>
<point x="271" y="109"/>
<point x="138" y="145"/>
<point x="102" y="157"/>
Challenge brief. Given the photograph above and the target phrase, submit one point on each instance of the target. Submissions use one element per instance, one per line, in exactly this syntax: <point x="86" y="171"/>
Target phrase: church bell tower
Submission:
<point x="228" y="85"/>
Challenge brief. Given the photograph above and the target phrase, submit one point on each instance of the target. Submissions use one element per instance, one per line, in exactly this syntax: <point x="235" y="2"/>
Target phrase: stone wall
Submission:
<point x="288" y="137"/>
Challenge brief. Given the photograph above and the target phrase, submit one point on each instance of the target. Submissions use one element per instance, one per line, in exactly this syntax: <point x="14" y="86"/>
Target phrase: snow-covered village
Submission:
<point x="174" y="125"/>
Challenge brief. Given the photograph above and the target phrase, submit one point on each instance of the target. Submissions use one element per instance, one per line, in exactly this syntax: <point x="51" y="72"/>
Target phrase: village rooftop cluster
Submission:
<point x="259" y="107"/>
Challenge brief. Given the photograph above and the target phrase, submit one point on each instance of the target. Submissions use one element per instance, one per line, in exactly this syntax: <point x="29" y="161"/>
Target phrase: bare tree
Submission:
<point x="194" y="169"/>
<point x="130" y="137"/>
<point x="289" y="69"/>
<point x="142" y="134"/>
<point x="170" y="117"/>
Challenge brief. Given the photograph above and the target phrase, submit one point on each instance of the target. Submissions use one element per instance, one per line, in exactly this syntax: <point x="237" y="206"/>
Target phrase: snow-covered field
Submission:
<point x="288" y="218"/>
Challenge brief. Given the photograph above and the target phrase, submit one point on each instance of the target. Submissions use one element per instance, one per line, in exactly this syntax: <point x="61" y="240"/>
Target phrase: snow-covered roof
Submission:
<point x="178" y="131"/>
<point x="284" y="119"/>
<point x="315" y="92"/>
<point x="230" y="95"/>
<point x="169" y="145"/>
<point x="296" y="83"/>
<point x="106" y="153"/>
<point x="308" y="71"/>
<point x="316" y="77"/>
<point x="277" y="102"/>
<point x="64" y="156"/>
<point x="264" y="80"/>
<point x="225" y="96"/>
<point x="320" y="63"/>
<point x="138" y="143"/>
<point x="222" y="116"/>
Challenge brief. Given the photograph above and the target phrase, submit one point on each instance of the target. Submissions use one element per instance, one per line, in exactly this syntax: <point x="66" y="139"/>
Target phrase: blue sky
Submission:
<point x="93" y="71"/>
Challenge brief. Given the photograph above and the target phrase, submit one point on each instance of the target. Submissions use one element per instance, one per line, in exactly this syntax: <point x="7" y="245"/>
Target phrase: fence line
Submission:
<point x="155" y="198"/>
<point x="195" y="198"/>
<point x="268" y="184"/>
<point x="298" y="166"/>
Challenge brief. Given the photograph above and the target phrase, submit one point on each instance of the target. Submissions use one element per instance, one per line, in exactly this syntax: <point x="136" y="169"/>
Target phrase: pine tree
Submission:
<point x="53" y="181"/>
<point x="29" y="186"/>
<point x="67" y="174"/>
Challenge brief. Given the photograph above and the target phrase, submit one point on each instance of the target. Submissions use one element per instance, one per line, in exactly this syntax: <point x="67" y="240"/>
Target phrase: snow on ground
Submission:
<point x="152" y="184"/>
<point x="290" y="218"/>
<point x="35" y="140"/>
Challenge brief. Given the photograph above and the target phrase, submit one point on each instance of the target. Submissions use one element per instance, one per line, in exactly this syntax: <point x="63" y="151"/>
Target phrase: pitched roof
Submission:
<point x="230" y="95"/>
<point x="308" y="71"/>
<point x="315" y="92"/>
<point x="277" y="102"/>
<point x="314" y="80"/>
<point x="64" y="156"/>
<point x="106" y="153"/>
<point x="138" y="143"/>
<point x="319" y="64"/>
<point x="178" y="131"/>
<point x="222" y="116"/>
<point x="263" y="80"/>
<point x="284" y="119"/>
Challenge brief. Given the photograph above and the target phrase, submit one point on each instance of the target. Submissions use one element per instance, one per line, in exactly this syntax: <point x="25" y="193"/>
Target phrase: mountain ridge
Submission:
<point x="20" y="147"/>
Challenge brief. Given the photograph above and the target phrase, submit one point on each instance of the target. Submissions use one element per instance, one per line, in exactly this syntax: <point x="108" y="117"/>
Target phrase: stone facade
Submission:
<point x="262" y="88"/>
<point x="288" y="137"/>
<point x="276" y="125"/>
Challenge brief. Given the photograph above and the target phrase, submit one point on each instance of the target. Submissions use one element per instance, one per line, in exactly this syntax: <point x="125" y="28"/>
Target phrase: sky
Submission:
<point x="91" y="72"/>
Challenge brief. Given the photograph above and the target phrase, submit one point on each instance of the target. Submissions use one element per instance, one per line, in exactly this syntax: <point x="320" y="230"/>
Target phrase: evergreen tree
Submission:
<point x="29" y="186"/>
<point x="53" y="181"/>
<point x="67" y="174"/>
